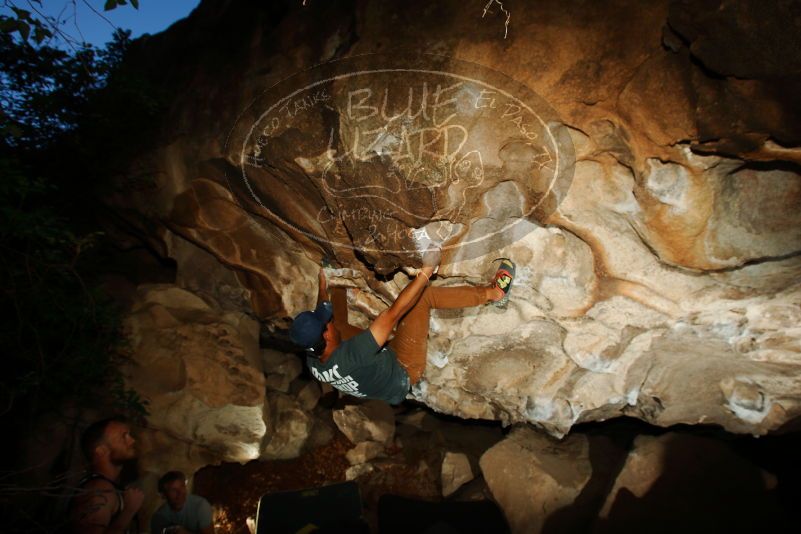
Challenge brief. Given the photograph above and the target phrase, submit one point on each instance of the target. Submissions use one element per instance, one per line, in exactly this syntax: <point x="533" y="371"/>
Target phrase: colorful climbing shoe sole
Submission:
<point x="503" y="279"/>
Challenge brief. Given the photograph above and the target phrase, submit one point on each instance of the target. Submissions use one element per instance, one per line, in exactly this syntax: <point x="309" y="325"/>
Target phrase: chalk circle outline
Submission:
<point x="550" y="122"/>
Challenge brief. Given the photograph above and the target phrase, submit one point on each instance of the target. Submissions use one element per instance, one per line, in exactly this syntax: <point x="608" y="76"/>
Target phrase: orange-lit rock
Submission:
<point x="643" y="278"/>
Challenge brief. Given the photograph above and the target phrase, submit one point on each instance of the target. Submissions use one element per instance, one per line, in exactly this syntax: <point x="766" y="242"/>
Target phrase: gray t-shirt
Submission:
<point x="362" y="368"/>
<point x="195" y="514"/>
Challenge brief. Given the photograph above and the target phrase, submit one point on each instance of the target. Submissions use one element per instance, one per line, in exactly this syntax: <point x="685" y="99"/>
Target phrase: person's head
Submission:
<point x="312" y="330"/>
<point x="172" y="486"/>
<point x="109" y="439"/>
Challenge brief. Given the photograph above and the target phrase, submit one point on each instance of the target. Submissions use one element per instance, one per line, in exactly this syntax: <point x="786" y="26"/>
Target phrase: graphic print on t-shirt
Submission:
<point x="342" y="383"/>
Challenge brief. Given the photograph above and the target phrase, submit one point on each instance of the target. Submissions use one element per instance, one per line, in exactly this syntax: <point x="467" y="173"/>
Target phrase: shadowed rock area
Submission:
<point x="663" y="284"/>
<point x="641" y="164"/>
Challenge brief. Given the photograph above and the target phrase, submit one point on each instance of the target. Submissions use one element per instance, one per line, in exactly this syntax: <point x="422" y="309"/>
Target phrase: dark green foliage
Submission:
<point x="69" y="122"/>
<point x="44" y="90"/>
<point x="23" y="22"/>
<point x="61" y="336"/>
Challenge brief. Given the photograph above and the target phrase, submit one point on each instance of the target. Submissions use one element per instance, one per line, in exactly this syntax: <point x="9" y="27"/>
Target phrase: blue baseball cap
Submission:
<point x="307" y="327"/>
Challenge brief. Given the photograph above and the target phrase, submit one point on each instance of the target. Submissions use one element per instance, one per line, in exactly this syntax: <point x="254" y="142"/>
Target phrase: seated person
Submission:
<point x="183" y="512"/>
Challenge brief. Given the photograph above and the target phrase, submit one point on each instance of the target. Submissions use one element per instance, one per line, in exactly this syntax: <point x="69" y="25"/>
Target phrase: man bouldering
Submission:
<point x="367" y="363"/>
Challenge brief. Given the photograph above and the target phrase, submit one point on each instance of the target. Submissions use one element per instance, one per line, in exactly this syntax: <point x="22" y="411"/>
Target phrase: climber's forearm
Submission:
<point x="410" y="294"/>
<point x="382" y="326"/>
<point x="322" y="292"/>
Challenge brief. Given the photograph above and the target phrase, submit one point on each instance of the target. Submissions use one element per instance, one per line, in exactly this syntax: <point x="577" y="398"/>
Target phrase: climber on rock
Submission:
<point x="367" y="363"/>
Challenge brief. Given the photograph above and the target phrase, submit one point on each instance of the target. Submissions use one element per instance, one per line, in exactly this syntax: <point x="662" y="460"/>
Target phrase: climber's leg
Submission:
<point x="411" y="335"/>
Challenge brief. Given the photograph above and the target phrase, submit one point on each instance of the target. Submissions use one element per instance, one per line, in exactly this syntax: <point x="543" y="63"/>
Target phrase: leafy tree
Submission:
<point x="60" y="332"/>
<point x="60" y="141"/>
<point x="71" y="118"/>
<point x="37" y="26"/>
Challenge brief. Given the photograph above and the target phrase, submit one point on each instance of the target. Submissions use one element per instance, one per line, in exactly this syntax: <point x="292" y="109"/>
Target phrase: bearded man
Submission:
<point x="103" y="505"/>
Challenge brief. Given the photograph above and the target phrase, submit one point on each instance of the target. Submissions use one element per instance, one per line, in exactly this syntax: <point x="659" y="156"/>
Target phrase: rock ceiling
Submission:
<point x="640" y="163"/>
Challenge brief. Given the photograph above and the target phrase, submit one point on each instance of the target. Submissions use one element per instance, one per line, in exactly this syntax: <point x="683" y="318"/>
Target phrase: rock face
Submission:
<point x="364" y="451"/>
<point x="639" y="163"/>
<point x="456" y="471"/>
<point x="698" y="475"/>
<point x="705" y="467"/>
<point x="673" y="482"/>
<point x="531" y="476"/>
<point x="199" y="369"/>
<point x="289" y="426"/>
<point x="369" y="421"/>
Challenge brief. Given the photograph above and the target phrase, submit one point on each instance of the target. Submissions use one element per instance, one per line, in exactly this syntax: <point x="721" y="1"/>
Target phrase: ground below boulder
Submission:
<point x="620" y="476"/>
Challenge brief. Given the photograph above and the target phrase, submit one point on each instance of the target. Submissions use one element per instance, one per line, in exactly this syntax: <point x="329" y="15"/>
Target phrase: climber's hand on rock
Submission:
<point x="432" y="257"/>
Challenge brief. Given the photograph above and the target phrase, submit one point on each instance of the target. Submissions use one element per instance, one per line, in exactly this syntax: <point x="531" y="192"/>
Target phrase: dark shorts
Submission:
<point x="406" y="385"/>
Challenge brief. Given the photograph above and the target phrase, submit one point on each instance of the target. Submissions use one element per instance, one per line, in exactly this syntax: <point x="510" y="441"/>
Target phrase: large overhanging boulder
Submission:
<point x="645" y="180"/>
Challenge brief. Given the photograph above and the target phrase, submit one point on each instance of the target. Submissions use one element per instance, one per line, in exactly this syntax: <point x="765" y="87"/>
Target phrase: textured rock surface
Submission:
<point x="364" y="452"/>
<point x="281" y="369"/>
<point x="531" y="476"/>
<point x="199" y="369"/>
<point x="654" y="459"/>
<point x="673" y="482"/>
<point x="369" y="421"/>
<point x="456" y="471"/>
<point x="664" y="283"/>
<point x="701" y="477"/>
<point x="288" y="427"/>
<point x="359" y="470"/>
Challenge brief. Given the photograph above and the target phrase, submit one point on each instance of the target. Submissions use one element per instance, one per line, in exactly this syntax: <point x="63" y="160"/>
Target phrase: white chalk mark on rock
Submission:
<point x="503" y="10"/>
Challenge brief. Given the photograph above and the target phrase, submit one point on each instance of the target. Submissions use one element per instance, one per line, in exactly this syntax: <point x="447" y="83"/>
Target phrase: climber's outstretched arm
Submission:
<point x="322" y="291"/>
<point x="383" y="325"/>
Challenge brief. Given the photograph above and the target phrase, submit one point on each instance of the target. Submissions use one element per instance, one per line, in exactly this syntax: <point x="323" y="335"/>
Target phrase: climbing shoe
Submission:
<point x="503" y="280"/>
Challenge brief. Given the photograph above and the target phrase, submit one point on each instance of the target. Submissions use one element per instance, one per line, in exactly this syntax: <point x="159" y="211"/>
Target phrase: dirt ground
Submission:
<point x="408" y="468"/>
